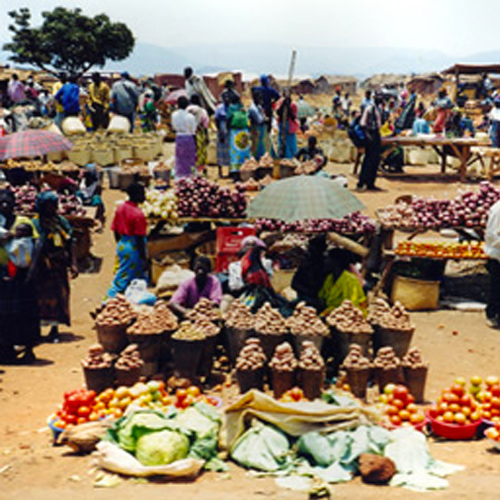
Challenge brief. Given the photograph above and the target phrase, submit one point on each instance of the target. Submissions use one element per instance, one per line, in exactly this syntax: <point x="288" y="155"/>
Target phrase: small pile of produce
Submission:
<point x="266" y="161"/>
<point x="199" y="197"/>
<point x="97" y="358"/>
<point x="188" y="331"/>
<point x="206" y="326"/>
<point x="288" y="162"/>
<point x="310" y="358"/>
<point x="250" y="185"/>
<point x="130" y="359"/>
<point x="206" y="309"/>
<point x="77" y="407"/>
<point x="399" y="406"/>
<point x="307" y="167"/>
<point x="467" y="209"/>
<point x="284" y="359"/>
<point x="305" y="321"/>
<point x="355" y="359"/>
<point x="161" y="204"/>
<point x="455" y="250"/>
<point x="269" y="321"/>
<point x="239" y="316"/>
<point x="489" y="397"/>
<point x="397" y="318"/>
<point x="386" y="359"/>
<point x="455" y="406"/>
<point x="250" y="164"/>
<point x="354" y="223"/>
<point x="251" y="356"/>
<point x="348" y="318"/>
<point x="71" y="205"/>
<point x="377" y="309"/>
<point x="117" y="312"/>
<point x="25" y="198"/>
<point x="293" y="395"/>
<point x="266" y="181"/>
<point x="165" y="314"/>
<point x="413" y="359"/>
<point x="160" y="319"/>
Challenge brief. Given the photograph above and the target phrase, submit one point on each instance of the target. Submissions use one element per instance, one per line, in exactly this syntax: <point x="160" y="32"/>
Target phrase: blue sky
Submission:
<point x="450" y="26"/>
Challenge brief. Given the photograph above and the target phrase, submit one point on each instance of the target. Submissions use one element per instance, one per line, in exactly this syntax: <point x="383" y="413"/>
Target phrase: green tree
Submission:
<point x="67" y="40"/>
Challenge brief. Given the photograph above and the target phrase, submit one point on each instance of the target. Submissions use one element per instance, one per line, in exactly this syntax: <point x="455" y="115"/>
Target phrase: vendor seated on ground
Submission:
<point x="312" y="152"/>
<point x="342" y="283"/>
<point x="191" y="291"/>
<point x="310" y="275"/>
<point x="249" y="245"/>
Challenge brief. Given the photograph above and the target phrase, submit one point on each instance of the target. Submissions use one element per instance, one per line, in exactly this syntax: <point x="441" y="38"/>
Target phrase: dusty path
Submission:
<point x="456" y="344"/>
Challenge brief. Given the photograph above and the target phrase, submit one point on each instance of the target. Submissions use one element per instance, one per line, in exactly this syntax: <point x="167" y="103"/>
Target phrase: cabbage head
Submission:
<point x="161" y="447"/>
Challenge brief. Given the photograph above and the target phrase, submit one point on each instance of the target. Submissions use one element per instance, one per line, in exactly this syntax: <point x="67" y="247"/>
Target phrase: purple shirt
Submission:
<point x="188" y="295"/>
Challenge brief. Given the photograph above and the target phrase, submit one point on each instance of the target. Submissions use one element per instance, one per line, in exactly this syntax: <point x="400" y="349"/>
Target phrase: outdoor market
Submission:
<point x="242" y="285"/>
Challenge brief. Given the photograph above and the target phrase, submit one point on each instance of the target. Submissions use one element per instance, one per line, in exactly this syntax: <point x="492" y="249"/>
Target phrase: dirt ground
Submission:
<point x="455" y="344"/>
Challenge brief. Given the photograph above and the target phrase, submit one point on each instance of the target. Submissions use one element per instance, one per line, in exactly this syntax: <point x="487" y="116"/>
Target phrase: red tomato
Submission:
<point x="398" y="403"/>
<point x="400" y="392"/>
<point x="466" y="400"/>
<point x="395" y="420"/>
<point x="83" y="411"/>
<point x="458" y="389"/>
<point x="495" y="390"/>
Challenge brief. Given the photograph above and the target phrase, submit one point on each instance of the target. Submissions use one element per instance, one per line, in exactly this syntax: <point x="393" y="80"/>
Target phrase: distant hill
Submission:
<point x="257" y="58"/>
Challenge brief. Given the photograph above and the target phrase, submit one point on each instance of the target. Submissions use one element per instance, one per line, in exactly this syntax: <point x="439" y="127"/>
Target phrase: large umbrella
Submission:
<point x="30" y="143"/>
<point x="303" y="198"/>
<point x="173" y="96"/>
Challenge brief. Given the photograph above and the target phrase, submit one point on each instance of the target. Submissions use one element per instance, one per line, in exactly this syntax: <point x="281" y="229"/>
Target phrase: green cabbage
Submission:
<point x="161" y="448"/>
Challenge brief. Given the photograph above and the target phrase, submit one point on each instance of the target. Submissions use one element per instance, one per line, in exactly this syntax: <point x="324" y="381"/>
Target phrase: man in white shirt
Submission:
<point x="184" y="124"/>
<point x="492" y="250"/>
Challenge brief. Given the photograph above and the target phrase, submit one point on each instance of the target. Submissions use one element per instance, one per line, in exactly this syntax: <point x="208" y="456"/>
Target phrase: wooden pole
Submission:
<point x="291" y="70"/>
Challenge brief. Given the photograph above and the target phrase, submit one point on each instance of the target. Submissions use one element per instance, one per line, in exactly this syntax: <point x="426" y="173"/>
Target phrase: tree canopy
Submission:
<point x="67" y="40"/>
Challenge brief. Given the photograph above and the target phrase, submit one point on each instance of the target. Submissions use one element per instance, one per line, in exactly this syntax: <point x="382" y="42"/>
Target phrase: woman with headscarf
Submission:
<point x="89" y="191"/>
<point x="130" y="229"/>
<point x="19" y="320"/>
<point x="56" y="258"/>
<point x="202" y="122"/>
<point x="288" y="127"/>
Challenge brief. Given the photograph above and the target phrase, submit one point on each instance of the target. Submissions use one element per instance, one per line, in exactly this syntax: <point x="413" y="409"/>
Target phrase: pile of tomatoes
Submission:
<point x="399" y="406"/>
<point x="77" y="407"/>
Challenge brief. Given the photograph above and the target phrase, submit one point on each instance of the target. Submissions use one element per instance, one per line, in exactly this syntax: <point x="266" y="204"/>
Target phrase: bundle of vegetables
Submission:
<point x="130" y="359"/>
<point x="467" y="209"/>
<point x="354" y="223"/>
<point x="199" y="197"/>
<point x="269" y="321"/>
<point x="348" y="318"/>
<point x="161" y="204"/>
<point x="239" y="316"/>
<point x="206" y="309"/>
<point x="117" y="312"/>
<point x="97" y="358"/>
<point x="305" y="321"/>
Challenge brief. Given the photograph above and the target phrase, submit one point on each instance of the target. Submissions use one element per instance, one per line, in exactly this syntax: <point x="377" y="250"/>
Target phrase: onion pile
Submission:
<point x="116" y="312"/>
<point x="251" y="356"/>
<point x="161" y="204"/>
<point x="97" y="358"/>
<point x="283" y="359"/>
<point x="198" y="197"/>
<point x="355" y="223"/>
<point x="71" y="205"/>
<point x="467" y="209"/>
<point x="305" y="321"/>
<point x="348" y="318"/>
<point x="269" y="321"/>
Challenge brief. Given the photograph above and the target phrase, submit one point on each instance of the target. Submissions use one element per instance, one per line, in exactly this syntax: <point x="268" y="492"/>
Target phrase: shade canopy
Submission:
<point x="32" y="143"/>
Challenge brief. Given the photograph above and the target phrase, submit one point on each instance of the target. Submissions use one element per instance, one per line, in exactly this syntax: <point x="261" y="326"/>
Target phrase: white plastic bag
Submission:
<point x="137" y="293"/>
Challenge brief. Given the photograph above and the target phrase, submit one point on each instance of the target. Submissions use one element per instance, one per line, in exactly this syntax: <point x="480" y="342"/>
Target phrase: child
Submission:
<point x="20" y="249"/>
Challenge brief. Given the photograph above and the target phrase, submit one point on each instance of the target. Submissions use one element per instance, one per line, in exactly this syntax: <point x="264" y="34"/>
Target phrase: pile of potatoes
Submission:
<point x="188" y="331"/>
<point x="397" y="319"/>
<point x="206" y="326"/>
<point x="269" y="321"/>
<point x="377" y="309"/>
<point x="97" y="358"/>
<point x="117" y="312"/>
<point x="284" y="359"/>
<point x="251" y="356"/>
<point x="386" y="359"/>
<point x="348" y="318"/>
<point x="166" y="316"/>
<point x="130" y="359"/>
<point x="355" y="359"/>
<point x="206" y="309"/>
<point x="413" y="359"/>
<point x="305" y="321"/>
<point x="310" y="358"/>
<point x="156" y="320"/>
<point x="239" y="316"/>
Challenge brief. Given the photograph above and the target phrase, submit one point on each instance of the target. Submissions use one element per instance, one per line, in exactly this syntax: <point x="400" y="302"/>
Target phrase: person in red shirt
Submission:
<point x="130" y="229"/>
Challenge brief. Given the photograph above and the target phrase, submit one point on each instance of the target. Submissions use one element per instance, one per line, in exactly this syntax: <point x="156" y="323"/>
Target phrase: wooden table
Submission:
<point x="460" y="148"/>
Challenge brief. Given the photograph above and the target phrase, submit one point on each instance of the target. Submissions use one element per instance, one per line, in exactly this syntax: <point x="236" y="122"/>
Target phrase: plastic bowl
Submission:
<point x="453" y="431"/>
<point x="52" y="422"/>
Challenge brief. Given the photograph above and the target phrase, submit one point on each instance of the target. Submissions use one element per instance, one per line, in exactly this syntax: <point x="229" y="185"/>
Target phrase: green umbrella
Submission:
<point x="303" y="198"/>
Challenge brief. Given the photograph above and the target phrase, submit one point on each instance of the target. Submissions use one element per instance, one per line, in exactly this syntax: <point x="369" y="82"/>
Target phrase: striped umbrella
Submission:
<point x="31" y="143"/>
<point x="303" y="198"/>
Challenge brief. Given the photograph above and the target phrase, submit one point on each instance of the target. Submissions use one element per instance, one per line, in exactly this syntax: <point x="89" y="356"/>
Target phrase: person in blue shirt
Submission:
<point x="68" y="96"/>
<point x="268" y="96"/>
